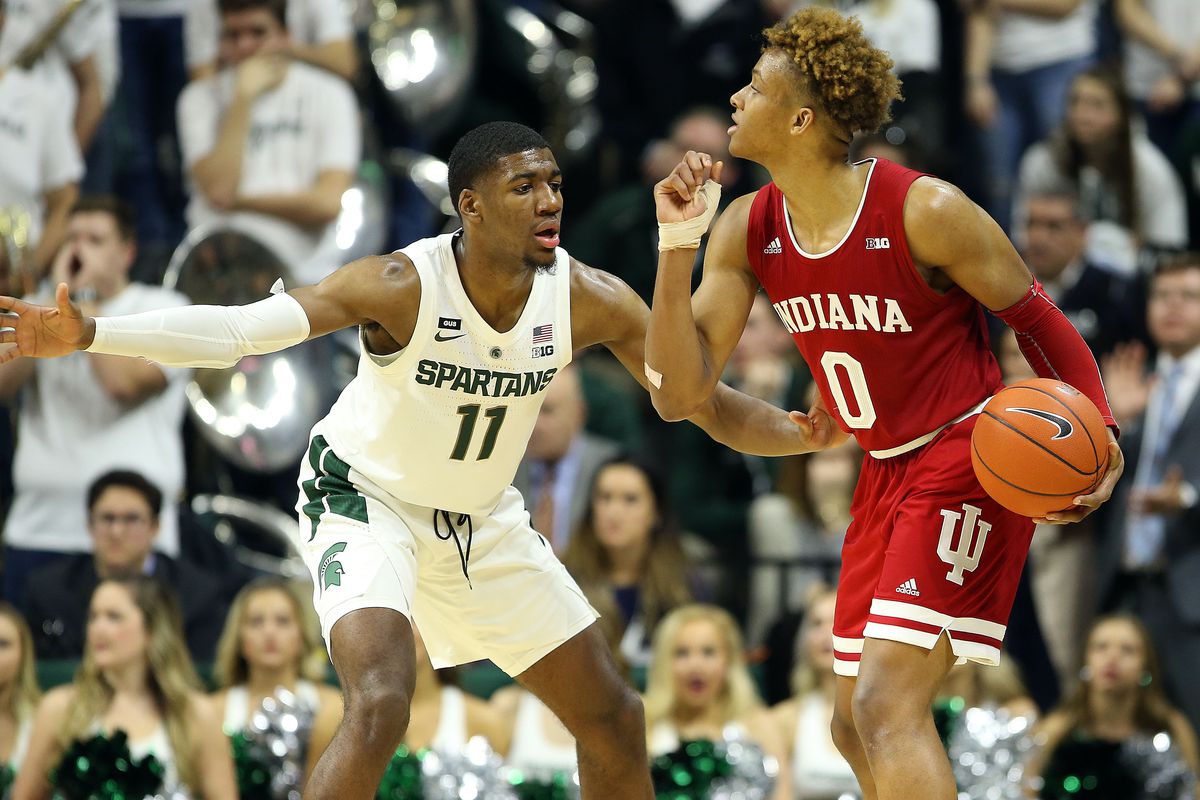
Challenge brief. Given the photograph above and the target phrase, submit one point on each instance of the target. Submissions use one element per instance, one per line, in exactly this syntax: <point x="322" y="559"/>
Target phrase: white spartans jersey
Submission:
<point x="444" y="422"/>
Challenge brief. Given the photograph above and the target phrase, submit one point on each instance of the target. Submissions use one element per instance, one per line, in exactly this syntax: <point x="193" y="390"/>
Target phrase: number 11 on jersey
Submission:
<point x="466" y="430"/>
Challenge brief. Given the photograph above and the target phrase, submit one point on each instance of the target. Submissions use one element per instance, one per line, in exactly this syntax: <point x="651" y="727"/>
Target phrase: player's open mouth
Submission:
<point x="732" y="127"/>
<point x="547" y="234"/>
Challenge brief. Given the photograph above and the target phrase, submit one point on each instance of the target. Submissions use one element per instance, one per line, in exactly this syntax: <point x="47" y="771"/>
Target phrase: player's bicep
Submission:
<point x="949" y="233"/>
<point x="722" y="302"/>
<point x="347" y="297"/>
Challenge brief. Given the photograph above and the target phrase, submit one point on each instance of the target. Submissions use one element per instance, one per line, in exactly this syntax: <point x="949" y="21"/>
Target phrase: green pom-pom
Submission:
<point x="102" y="768"/>
<point x="402" y="778"/>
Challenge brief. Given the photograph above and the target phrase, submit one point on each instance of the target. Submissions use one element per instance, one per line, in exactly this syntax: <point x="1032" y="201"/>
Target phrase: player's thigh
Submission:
<point x="898" y="678"/>
<point x="579" y="681"/>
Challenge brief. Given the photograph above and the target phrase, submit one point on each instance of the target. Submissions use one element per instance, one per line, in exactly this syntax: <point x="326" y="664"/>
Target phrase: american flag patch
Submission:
<point x="543" y="334"/>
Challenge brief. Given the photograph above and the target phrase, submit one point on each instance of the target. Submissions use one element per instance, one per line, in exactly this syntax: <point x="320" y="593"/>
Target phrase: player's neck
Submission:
<point x="497" y="287"/>
<point x="820" y="192"/>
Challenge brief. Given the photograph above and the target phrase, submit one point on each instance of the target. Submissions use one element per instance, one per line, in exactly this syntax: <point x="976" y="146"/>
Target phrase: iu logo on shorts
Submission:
<point x="962" y="552"/>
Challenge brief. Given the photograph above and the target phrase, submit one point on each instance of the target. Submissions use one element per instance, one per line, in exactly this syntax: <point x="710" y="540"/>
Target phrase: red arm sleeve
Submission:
<point x="1055" y="349"/>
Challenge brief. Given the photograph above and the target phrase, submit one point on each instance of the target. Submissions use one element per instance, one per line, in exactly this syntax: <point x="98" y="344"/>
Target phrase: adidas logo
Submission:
<point x="774" y="248"/>
<point x="909" y="587"/>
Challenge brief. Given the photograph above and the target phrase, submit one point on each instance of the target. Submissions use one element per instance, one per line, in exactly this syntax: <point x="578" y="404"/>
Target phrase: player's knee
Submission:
<point x="621" y="720"/>
<point x="378" y="711"/>
<point x="845" y="734"/>
<point x="880" y="713"/>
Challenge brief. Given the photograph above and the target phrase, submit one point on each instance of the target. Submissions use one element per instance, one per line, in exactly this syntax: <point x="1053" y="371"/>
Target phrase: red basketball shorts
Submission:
<point x="928" y="552"/>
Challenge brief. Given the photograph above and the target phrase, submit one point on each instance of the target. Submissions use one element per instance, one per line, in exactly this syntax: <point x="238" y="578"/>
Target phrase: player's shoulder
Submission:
<point x="593" y="285"/>
<point x="939" y="215"/>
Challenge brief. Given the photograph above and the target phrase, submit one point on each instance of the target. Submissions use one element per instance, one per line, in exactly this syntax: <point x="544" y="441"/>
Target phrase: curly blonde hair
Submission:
<point x="851" y="80"/>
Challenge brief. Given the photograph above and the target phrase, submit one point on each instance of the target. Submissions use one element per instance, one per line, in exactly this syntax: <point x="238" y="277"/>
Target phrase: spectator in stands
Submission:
<point x="319" y="34"/>
<point x="1120" y="695"/>
<point x="78" y="66"/>
<point x="620" y="232"/>
<point x="136" y="677"/>
<point x="805" y="517"/>
<point x="19" y="692"/>
<point x="1148" y="554"/>
<point x="818" y="770"/>
<point x="123" y="510"/>
<point x="560" y="461"/>
<point x="1122" y="179"/>
<point x="42" y="167"/>
<point x="87" y="414"/>
<point x="627" y="556"/>
<point x="271" y="641"/>
<point x="1020" y="59"/>
<point x="1162" y="64"/>
<point x="699" y="689"/>
<point x="1101" y="304"/>
<point x="443" y="717"/>
<point x="269" y="144"/>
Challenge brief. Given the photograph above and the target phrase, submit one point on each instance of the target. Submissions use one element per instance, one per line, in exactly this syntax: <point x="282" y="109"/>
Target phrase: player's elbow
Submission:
<point x="676" y="409"/>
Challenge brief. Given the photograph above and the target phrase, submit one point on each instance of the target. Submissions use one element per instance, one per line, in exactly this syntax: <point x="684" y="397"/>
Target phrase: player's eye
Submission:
<point x="556" y="186"/>
<point x="524" y="188"/>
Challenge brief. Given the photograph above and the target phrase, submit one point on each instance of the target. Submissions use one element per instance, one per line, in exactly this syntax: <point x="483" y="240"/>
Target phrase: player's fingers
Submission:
<point x="7" y="336"/>
<point x="696" y="162"/>
<point x="12" y="305"/>
<point x="679" y="186"/>
<point x="11" y="354"/>
<point x="717" y="170"/>
<point x="803" y="422"/>
<point x="689" y="177"/>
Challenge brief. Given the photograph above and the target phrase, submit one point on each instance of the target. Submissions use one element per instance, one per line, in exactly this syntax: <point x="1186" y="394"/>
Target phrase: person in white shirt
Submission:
<point x="320" y="34"/>
<point x="94" y="413"/>
<point x="270" y="144"/>
<point x="40" y="167"/>
<point x="80" y="64"/>
<point x="1020" y="58"/>
<point x="1162" y="63"/>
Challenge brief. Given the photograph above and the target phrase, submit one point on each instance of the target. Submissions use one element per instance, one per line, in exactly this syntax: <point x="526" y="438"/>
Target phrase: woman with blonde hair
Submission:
<point x="272" y="642"/>
<point x="19" y="693"/>
<point x="819" y="772"/>
<point x="136" y="677"/>
<point x="1119" y="697"/>
<point x="700" y="689"/>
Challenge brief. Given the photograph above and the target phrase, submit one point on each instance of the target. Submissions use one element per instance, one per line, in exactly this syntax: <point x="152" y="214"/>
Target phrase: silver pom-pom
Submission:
<point x="278" y="733"/>
<point x="476" y="773"/>
<point x="989" y="750"/>
<point x="754" y="772"/>
<point x="1157" y="762"/>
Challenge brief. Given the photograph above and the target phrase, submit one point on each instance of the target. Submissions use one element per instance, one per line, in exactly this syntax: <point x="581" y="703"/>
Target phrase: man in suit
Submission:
<point x="123" y="520"/>
<point x="1148" y="556"/>
<point x="555" y="477"/>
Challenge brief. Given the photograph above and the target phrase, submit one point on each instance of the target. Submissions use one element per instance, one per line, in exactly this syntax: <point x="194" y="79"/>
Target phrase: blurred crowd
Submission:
<point x="132" y="130"/>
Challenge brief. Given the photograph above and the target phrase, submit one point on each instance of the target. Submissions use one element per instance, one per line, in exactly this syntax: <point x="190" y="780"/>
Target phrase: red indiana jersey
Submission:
<point x="894" y="359"/>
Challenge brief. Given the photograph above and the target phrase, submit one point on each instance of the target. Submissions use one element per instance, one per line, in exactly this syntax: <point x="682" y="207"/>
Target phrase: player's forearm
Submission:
<point x="1054" y="348"/>
<point x="339" y="57"/>
<point x="201" y="336"/>
<point x="680" y="377"/>
<point x="748" y="425"/>
<point x="219" y="173"/>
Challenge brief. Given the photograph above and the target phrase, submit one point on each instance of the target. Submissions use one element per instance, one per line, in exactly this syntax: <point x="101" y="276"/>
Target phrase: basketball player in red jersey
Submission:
<point x="881" y="275"/>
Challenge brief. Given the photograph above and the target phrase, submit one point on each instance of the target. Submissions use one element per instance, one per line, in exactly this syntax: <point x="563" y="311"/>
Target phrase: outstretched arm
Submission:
<point x="384" y="289"/>
<point x="689" y="339"/>
<point x="606" y="311"/>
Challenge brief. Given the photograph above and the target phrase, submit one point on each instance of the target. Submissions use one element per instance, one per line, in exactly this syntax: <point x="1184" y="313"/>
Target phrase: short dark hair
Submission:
<point x="1170" y="263"/>
<point x="121" y="212"/>
<point x="479" y="150"/>
<point x="129" y="480"/>
<point x="278" y="8"/>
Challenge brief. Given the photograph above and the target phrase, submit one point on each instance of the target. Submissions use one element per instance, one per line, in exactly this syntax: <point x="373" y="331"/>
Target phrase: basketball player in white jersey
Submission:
<point x="406" y="508"/>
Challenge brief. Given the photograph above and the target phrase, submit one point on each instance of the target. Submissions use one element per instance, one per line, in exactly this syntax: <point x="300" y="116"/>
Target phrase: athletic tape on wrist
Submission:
<point x="687" y="234"/>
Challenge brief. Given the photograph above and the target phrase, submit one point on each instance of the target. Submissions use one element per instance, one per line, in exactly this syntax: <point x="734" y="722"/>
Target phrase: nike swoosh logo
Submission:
<point x="1065" y="428"/>
<point x="437" y="337"/>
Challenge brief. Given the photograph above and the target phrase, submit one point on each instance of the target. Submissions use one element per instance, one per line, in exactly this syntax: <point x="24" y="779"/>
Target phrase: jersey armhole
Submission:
<point x="401" y="359"/>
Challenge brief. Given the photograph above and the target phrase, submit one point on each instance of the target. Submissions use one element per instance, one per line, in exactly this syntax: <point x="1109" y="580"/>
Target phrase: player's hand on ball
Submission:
<point x="1086" y="504"/>
<point x="41" y="332"/>
<point x="677" y="196"/>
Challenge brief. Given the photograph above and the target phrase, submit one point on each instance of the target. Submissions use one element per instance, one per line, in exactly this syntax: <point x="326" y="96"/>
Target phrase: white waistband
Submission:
<point x="908" y="447"/>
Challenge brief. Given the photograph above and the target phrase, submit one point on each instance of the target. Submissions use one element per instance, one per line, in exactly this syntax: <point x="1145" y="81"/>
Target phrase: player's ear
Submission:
<point x="468" y="204"/>
<point x="803" y="119"/>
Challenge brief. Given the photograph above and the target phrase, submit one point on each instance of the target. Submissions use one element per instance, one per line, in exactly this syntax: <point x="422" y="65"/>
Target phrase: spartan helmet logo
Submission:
<point x="331" y="572"/>
<point x="1065" y="428"/>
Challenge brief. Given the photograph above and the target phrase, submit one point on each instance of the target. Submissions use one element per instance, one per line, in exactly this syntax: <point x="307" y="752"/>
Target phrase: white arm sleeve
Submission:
<point x="204" y="336"/>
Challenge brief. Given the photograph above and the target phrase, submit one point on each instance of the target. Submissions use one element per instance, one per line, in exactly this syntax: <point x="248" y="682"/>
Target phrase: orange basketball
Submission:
<point x="1039" y="444"/>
